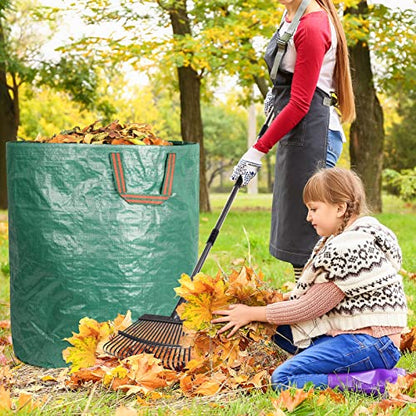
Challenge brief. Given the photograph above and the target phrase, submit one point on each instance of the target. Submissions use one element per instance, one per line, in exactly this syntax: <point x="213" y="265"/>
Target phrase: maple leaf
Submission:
<point x="5" y="400"/>
<point x="82" y="354"/>
<point x="204" y="294"/>
<point x="244" y="286"/>
<point x="328" y="393"/>
<point x="147" y="373"/>
<point x="385" y="405"/>
<point x="202" y="283"/>
<point x="85" y="375"/>
<point x="202" y="384"/>
<point x="196" y="313"/>
<point x="288" y="400"/>
<point x="258" y="381"/>
<point x="408" y="341"/>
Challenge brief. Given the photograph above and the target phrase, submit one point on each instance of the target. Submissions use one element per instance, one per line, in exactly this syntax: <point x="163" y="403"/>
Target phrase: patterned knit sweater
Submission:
<point x="363" y="261"/>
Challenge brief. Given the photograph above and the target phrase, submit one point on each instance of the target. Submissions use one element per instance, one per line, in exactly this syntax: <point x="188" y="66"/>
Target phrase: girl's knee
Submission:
<point x="280" y="379"/>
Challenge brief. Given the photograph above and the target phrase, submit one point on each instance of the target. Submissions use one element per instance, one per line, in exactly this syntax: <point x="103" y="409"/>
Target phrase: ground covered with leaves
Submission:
<point x="221" y="371"/>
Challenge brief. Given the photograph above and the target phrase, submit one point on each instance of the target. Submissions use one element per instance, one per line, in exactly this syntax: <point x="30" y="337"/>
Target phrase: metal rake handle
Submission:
<point x="212" y="237"/>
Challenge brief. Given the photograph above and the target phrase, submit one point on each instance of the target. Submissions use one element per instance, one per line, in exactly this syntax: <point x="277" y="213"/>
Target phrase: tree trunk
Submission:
<point x="190" y="98"/>
<point x="367" y="131"/>
<point x="263" y="85"/>
<point x="8" y="124"/>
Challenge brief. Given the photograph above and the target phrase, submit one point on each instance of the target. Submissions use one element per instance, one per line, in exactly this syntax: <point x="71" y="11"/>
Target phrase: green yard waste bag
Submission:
<point x="95" y="230"/>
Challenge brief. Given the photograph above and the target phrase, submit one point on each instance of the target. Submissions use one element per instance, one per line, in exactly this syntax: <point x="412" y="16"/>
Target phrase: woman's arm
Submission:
<point x="317" y="301"/>
<point x="312" y="41"/>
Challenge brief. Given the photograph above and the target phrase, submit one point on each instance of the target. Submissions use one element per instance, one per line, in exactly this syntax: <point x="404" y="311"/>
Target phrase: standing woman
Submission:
<point x="308" y="63"/>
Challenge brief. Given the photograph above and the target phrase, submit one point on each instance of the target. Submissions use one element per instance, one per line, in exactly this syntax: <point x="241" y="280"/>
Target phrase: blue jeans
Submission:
<point x="340" y="354"/>
<point x="334" y="148"/>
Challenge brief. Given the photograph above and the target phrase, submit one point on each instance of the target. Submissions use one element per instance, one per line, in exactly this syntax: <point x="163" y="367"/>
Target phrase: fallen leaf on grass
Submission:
<point x="385" y="405"/>
<point x="5" y="400"/>
<point x="238" y="262"/>
<point x="27" y="403"/>
<point x="5" y="324"/>
<point x="116" y="377"/>
<point x="290" y="400"/>
<point x="82" y="354"/>
<point x="201" y="384"/>
<point x="362" y="411"/>
<point x="147" y="373"/>
<point x="408" y="341"/>
<point x="48" y="378"/>
<point x="408" y="274"/>
<point x="125" y="411"/>
<point x="3" y="360"/>
<point x="258" y="381"/>
<point x="404" y="385"/>
<point x="6" y="340"/>
<point x="277" y="412"/>
<point x="150" y="398"/>
<point x="6" y="375"/>
<point x="326" y="394"/>
<point x="85" y="375"/>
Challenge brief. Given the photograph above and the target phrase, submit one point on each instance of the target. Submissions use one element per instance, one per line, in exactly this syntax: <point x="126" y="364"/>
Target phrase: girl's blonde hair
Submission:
<point x="343" y="83"/>
<point x="335" y="186"/>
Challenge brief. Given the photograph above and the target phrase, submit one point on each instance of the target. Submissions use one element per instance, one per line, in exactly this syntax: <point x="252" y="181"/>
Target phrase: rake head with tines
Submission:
<point x="161" y="335"/>
<point x="154" y="334"/>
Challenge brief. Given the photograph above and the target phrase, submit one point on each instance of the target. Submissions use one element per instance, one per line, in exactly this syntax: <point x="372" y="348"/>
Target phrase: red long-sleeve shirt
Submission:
<point x="312" y="40"/>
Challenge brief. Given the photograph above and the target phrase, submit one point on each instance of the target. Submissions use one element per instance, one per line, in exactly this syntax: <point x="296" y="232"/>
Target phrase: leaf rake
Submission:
<point x="161" y="335"/>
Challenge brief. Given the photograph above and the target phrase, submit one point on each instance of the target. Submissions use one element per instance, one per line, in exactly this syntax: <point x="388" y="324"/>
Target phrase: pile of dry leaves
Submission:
<point x="113" y="133"/>
<point x="218" y="364"/>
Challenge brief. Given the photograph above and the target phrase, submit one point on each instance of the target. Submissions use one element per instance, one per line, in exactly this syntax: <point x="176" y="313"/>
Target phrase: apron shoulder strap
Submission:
<point x="283" y="40"/>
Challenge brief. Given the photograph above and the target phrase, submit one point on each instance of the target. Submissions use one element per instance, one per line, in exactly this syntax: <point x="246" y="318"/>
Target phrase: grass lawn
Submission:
<point x="244" y="238"/>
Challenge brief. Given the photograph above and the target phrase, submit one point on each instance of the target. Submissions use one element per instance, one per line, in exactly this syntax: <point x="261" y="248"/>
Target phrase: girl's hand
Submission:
<point x="238" y="316"/>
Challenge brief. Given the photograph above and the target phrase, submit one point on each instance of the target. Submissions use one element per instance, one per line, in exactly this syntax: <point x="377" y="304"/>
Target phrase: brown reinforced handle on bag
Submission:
<point x="120" y="182"/>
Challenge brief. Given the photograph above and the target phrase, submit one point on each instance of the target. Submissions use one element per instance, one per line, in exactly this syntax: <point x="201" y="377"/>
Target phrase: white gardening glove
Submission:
<point x="248" y="166"/>
<point x="268" y="102"/>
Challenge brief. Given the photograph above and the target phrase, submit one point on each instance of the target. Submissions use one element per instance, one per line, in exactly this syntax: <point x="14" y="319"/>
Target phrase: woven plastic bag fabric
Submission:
<point x="95" y="231"/>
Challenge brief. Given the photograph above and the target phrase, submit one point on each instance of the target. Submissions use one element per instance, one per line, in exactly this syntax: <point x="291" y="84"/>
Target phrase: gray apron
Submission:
<point x="299" y="154"/>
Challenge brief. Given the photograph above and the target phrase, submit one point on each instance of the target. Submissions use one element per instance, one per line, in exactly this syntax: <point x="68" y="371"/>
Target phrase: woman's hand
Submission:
<point x="238" y="316"/>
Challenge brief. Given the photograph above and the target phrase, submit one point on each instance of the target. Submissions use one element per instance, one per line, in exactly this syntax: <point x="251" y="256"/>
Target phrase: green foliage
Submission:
<point x="26" y="28"/>
<point x="401" y="183"/>
<point x="400" y="146"/>
<point x="394" y="46"/>
<point x="73" y="74"/>
<point x="220" y="39"/>
<point x="47" y="112"/>
<point x="225" y="133"/>
<point x="4" y="5"/>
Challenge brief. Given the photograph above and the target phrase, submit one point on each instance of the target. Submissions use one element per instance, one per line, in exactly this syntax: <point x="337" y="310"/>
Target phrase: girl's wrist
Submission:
<point x="258" y="313"/>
